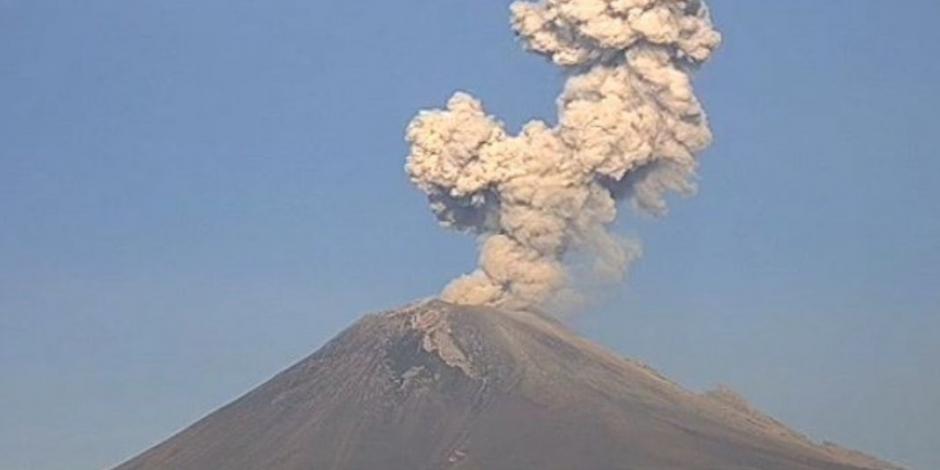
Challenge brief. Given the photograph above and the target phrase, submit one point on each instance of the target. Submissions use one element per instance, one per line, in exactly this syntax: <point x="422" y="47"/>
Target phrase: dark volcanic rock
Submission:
<point x="439" y="386"/>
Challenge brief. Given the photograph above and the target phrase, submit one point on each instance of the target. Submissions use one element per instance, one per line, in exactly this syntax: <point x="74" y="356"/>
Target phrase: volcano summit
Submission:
<point x="441" y="386"/>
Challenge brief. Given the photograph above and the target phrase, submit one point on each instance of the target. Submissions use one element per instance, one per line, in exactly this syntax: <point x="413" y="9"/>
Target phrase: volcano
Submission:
<point x="441" y="386"/>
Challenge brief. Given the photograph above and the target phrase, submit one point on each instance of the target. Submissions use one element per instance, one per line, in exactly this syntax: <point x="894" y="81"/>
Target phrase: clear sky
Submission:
<point x="193" y="195"/>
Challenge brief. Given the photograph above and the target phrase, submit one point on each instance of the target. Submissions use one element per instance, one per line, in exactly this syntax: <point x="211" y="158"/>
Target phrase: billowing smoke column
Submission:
<point x="629" y="127"/>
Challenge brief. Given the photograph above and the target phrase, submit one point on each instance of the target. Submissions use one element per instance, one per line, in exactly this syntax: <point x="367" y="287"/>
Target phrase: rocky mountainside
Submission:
<point x="440" y="386"/>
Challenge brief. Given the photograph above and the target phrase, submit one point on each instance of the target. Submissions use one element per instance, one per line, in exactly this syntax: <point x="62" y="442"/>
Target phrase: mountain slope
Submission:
<point x="440" y="386"/>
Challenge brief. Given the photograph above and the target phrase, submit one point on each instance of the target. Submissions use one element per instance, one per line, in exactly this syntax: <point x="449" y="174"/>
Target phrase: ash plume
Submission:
<point x="629" y="128"/>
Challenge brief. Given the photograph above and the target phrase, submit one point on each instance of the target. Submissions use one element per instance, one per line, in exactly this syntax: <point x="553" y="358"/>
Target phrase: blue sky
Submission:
<point x="193" y="195"/>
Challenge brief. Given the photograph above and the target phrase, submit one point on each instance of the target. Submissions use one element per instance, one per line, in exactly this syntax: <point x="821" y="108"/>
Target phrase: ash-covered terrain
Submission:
<point x="441" y="386"/>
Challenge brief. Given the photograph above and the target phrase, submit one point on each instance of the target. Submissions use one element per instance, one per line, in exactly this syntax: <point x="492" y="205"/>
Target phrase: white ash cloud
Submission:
<point x="629" y="128"/>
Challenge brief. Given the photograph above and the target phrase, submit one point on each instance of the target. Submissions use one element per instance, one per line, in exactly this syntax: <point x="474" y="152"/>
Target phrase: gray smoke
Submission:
<point x="629" y="127"/>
